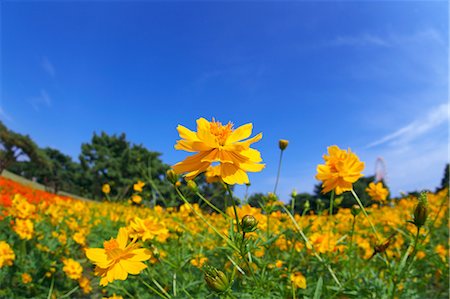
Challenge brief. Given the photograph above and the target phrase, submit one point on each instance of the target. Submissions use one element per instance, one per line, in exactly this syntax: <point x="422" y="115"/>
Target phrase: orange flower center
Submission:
<point x="220" y="131"/>
<point x="112" y="249"/>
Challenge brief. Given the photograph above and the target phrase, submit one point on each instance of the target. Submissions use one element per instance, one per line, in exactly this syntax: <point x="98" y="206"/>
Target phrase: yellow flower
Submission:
<point x="85" y="285"/>
<point x="106" y="188"/>
<point x="341" y="169"/>
<point x="138" y="186"/>
<point x="199" y="260"/>
<point x="149" y="228"/>
<point x="26" y="278"/>
<point x="136" y="198"/>
<point x="24" y="228"/>
<point x="7" y="255"/>
<point x="217" y="143"/>
<point x="21" y="208"/>
<point x="298" y="280"/>
<point x="377" y="192"/>
<point x="118" y="258"/>
<point x="72" y="269"/>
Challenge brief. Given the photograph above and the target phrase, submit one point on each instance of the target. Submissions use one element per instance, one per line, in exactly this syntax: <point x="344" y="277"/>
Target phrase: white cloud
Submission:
<point x="360" y="40"/>
<point x="437" y="116"/>
<point x="42" y="100"/>
<point x="4" y="115"/>
<point x="48" y="67"/>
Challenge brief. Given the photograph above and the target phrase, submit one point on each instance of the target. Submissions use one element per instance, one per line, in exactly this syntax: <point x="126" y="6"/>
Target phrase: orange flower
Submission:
<point x="217" y="143"/>
<point x="377" y="192"/>
<point x="341" y="169"/>
<point x="118" y="258"/>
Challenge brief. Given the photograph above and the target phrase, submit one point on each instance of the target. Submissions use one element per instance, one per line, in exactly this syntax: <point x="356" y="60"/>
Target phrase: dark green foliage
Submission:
<point x="14" y="147"/>
<point x="112" y="159"/>
<point x="445" y="178"/>
<point x="63" y="173"/>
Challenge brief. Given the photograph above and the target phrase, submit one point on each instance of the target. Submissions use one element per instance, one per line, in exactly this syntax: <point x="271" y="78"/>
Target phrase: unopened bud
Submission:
<point x="192" y="186"/>
<point x="216" y="279"/>
<point x="355" y="210"/>
<point x="421" y="211"/>
<point x="271" y="197"/>
<point x="283" y="143"/>
<point x="172" y="176"/>
<point x="307" y="205"/>
<point x="249" y="223"/>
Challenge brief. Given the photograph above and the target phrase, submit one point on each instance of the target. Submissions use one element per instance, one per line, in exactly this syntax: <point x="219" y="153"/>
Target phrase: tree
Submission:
<point x="113" y="160"/>
<point x="14" y="146"/>
<point x="445" y="178"/>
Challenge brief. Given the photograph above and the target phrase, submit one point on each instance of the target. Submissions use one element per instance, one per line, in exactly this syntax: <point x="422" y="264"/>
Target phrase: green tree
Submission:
<point x="64" y="173"/>
<point x="445" y="178"/>
<point x="16" y="147"/>
<point x="112" y="159"/>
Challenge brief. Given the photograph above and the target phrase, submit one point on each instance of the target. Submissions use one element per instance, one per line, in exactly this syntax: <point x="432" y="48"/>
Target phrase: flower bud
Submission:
<point x="216" y="279"/>
<point x="283" y="143"/>
<point x="249" y="223"/>
<point x="421" y="211"/>
<point x="172" y="176"/>
<point x="192" y="186"/>
<point x="355" y="210"/>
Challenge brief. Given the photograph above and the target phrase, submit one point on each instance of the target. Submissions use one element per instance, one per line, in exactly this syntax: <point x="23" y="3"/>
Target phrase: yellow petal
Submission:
<point x="132" y="267"/>
<point x="122" y="237"/>
<point x="240" y="133"/>
<point x="185" y="133"/>
<point x="97" y="255"/>
<point x="140" y="255"/>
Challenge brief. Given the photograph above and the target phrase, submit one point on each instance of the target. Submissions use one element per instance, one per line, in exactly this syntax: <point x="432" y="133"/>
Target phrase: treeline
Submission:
<point x="113" y="160"/>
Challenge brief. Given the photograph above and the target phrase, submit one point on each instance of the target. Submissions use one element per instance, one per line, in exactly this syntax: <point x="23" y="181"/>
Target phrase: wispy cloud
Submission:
<point x="42" y="100"/>
<point x="389" y="39"/>
<point x="360" y="40"/>
<point x="48" y="67"/>
<point x="4" y="115"/>
<point x="437" y="116"/>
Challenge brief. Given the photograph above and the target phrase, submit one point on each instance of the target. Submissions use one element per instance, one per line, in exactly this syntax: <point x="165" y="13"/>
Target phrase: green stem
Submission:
<point x="50" y="291"/>
<point x="153" y="289"/>
<point x="206" y="221"/>
<point x="302" y="234"/>
<point x="278" y="172"/>
<point x="352" y="255"/>
<point x="331" y="203"/>
<point x="234" y="207"/>
<point x="365" y="214"/>
<point x="212" y="206"/>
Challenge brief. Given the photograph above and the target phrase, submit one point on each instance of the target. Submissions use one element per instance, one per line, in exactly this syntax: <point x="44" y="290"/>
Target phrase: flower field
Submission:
<point x="60" y="247"/>
<point x="44" y="238"/>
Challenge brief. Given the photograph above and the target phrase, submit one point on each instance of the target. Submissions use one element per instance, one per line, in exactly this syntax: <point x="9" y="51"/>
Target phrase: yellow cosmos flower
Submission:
<point x="106" y="188"/>
<point x="85" y="285"/>
<point x="217" y="143"/>
<point x="341" y="169"/>
<point x="7" y="255"/>
<point x="298" y="280"/>
<point x="136" y="198"/>
<point x="72" y="269"/>
<point x="377" y="192"/>
<point x="138" y="186"/>
<point x="24" y="228"/>
<point x="26" y="278"/>
<point x="199" y="260"/>
<point x="149" y="229"/>
<point x="118" y="258"/>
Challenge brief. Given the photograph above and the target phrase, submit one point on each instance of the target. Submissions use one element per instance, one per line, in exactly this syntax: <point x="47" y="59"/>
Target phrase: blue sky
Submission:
<point x="372" y="76"/>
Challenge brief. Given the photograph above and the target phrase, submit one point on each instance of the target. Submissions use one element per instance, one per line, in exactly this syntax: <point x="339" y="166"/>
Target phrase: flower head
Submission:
<point x="106" y="188"/>
<point x="341" y="169"/>
<point x="217" y="143"/>
<point x="138" y="186"/>
<point x="118" y="258"/>
<point x="377" y="192"/>
<point x="298" y="280"/>
<point x="7" y="255"/>
<point x="72" y="269"/>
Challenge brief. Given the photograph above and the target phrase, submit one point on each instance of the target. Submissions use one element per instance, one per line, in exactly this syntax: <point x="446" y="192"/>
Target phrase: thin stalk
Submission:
<point x="50" y="291"/>
<point x="311" y="246"/>
<point x="365" y="214"/>
<point x="206" y="221"/>
<point x="352" y="255"/>
<point x="212" y="206"/>
<point x="278" y="172"/>
<point x="234" y="207"/>
<point x="153" y="289"/>
<point x="331" y="203"/>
